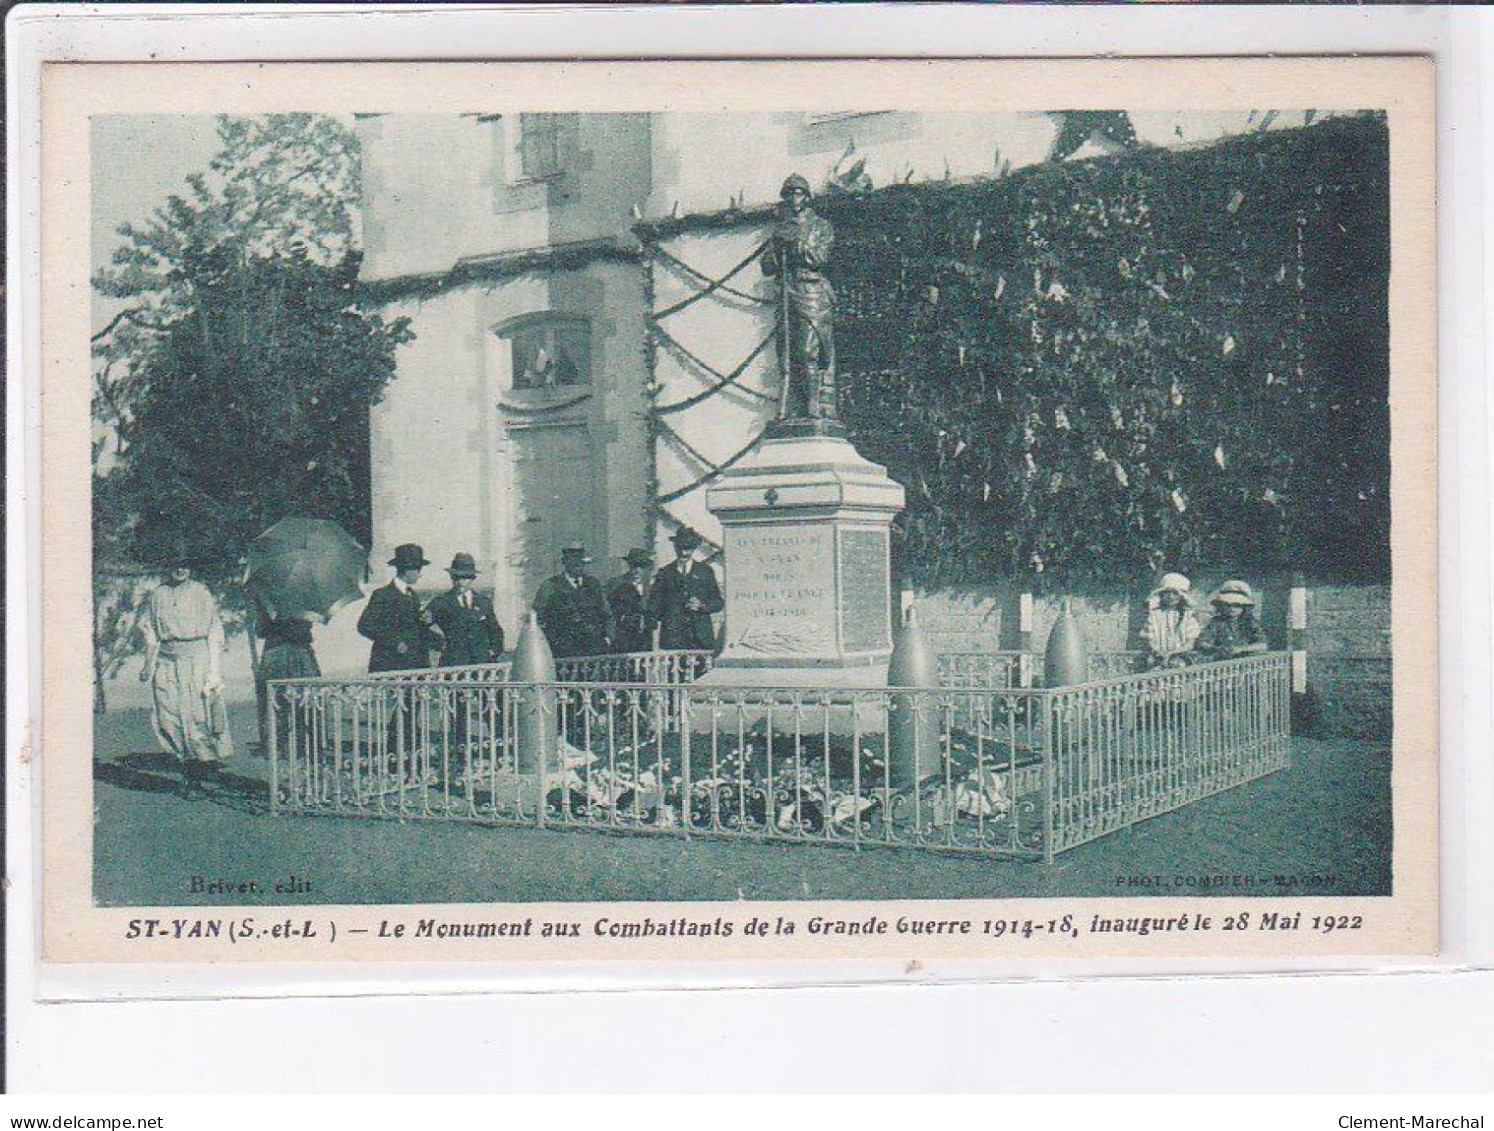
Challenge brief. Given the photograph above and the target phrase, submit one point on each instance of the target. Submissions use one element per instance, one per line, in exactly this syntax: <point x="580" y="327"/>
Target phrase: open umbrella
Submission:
<point x="305" y="567"/>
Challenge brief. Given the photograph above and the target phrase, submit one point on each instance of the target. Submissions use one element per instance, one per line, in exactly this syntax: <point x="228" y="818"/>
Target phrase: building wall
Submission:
<point x="440" y="189"/>
<point x="722" y="331"/>
<point x="449" y="458"/>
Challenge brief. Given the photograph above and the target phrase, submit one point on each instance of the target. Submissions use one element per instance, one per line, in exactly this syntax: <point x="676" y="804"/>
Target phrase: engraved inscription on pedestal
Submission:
<point x="781" y="596"/>
<point x="866" y="624"/>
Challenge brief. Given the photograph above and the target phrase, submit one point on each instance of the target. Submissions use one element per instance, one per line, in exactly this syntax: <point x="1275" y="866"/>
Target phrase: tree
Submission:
<point x="232" y="387"/>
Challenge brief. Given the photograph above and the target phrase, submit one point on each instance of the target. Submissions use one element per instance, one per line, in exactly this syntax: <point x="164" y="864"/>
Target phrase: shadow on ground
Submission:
<point x="1321" y="827"/>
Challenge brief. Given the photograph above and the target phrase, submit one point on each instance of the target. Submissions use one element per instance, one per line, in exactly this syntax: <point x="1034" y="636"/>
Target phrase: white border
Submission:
<point x="119" y="33"/>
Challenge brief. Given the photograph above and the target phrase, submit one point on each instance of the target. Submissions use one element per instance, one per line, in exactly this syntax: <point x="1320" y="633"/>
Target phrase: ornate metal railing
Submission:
<point x="496" y="672"/>
<point x="1126" y="749"/>
<point x="673" y="667"/>
<point x="998" y="670"/>
<point x="1023" y="772"/>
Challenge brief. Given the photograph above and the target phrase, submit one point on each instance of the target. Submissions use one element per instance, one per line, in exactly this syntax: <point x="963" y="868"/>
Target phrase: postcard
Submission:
<point x="682" y="511"/>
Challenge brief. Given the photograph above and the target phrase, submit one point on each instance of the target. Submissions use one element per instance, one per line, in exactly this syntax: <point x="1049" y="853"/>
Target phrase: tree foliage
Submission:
<point x="232" y="386"/>
<point x="1102" y="368"/>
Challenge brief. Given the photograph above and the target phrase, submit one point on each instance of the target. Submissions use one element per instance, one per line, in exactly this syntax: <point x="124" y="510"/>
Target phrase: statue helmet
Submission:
<point x="794" y="181"/>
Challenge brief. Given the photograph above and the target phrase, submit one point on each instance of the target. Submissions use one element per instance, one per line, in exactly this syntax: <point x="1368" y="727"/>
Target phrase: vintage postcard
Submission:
<point x="696" y="511"/>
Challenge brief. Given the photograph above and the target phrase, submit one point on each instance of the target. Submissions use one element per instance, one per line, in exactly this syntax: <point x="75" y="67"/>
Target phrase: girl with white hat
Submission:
<point x="1233" y="631"/>
<point x="1172" y="626"/>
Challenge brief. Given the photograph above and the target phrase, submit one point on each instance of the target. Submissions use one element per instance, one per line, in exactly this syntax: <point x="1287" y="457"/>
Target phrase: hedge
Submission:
<point x="1158" y="359"/>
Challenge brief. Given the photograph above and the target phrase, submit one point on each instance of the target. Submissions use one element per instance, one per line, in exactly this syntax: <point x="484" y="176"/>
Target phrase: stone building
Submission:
<point x="520" y="247"/>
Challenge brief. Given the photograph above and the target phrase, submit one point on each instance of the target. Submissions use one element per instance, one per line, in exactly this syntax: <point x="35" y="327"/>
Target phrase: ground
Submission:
<point x="1324" y="822"/>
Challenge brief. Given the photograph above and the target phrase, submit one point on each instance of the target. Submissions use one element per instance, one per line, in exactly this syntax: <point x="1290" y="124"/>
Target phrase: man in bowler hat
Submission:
<point x="684" y="596"/>
<point x="573" y="609"/>
<point x="403" y="633"/>
<point x="629" y="598"/>
<point x="469" y="627"/>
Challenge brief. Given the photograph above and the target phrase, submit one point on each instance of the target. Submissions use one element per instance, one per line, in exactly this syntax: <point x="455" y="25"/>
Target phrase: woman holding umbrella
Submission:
<point x="285" y="652"/>
<point x="300" y="571"/>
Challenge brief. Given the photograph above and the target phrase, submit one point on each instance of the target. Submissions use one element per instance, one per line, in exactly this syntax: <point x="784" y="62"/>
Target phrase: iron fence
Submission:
<point x="666" y="667"/>
<point x="1002" y="669"/>
<point x="1021" y="772"/>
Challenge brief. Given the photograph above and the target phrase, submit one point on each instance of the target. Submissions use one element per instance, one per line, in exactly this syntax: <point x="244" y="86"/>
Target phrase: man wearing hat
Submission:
<point x="629" y="597"/>
<point x="403" y="633"/>
<point x="685" y="594"/>
<point x="573" y="609"/>
<point x="1234" y="631"/>
<point x="469" y="627"/>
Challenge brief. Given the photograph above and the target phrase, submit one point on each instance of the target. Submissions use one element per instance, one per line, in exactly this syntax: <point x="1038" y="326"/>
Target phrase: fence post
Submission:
<point x="1024" y="638"/>
<point x="536" y="727"/>
<point x="271" y="750"/>
<point x="912" y="731"/>
<point x="1066" y="659"/>
<point x="1297" y="632"/>
<point x="1046" y="699"/>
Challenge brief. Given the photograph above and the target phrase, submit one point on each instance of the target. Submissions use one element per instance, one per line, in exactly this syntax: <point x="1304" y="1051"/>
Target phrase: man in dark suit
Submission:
<point x="685" y="594"/>
<point x="403" y="635"/>
<point x="402" y="632"/>
<point x="629" y="599"/>
<point x="572" y="608"/>
<point x="469" y="628"/>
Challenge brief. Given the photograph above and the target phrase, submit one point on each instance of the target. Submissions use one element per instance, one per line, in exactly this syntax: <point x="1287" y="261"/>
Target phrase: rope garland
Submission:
<point x="720" y="380"/>
<point x="712" y="469"/>
<point x="660" y="337"/>
<point x="711" y="285"/>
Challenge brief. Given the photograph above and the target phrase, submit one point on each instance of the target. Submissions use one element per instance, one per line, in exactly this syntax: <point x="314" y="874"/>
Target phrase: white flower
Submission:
<point x="1120" y="475"/>
<point x="1178" y="502"/>
<point x="1229" y="344"/>
<point x="1061" y="419"/>
<point x="1219" y="454"/>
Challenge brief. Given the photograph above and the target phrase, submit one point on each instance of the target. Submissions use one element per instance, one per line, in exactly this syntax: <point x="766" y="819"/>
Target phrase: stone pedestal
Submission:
<point x="805" y="523"/>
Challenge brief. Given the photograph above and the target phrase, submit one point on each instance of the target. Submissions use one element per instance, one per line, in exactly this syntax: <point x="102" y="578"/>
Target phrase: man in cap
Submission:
<point x="469" y="627"/>
<point x="403" y="633"/>
<point x="797" y="255"/>
<point x="685" y="594"/>
<point x="634" y="622"/>
<point x="573" y="609"/>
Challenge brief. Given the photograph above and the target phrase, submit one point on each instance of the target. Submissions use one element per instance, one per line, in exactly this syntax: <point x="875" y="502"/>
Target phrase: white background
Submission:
<point x="1430" y="1030"/>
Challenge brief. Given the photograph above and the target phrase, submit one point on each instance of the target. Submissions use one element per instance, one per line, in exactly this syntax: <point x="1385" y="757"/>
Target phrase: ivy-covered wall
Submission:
<point x="1097" y="370"/>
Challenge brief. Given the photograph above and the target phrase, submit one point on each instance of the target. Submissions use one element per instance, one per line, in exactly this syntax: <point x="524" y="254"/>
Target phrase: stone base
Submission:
<point x="838" y="677"/>
<point x="845" y="717"/>
<point x="805" y="527"/>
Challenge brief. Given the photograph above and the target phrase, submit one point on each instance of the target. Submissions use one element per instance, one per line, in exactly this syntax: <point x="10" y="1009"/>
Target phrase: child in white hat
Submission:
<point x="1172" y="626"/>
<point x="1234" y="630"/>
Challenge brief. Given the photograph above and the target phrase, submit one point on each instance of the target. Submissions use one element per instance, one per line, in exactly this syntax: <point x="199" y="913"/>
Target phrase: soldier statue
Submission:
<point x="797" y="256"/>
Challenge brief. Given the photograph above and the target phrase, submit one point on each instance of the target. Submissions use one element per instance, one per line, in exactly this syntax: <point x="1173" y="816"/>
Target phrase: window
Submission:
<point x="550" y="352"/>
<point x="539" y="146"/>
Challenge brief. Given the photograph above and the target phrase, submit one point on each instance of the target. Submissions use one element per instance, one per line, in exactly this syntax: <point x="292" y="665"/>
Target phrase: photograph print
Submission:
<point x="512" y="507"/>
